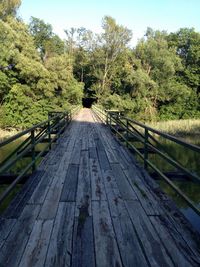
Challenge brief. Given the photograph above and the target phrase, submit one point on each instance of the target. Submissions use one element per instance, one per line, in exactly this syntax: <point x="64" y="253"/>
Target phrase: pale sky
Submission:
<point x="137" y="15"/>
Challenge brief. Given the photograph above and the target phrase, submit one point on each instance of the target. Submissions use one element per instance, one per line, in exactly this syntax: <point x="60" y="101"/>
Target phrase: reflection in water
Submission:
<point x="190" y="160"/>
<point x="18" y="166"/>
<point x="8" y="199"/>
<point x="186" y="157"/>
<point x="192" y="190"/>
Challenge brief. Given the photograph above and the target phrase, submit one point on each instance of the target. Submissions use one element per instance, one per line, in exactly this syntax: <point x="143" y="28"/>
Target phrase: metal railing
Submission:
<point x="45" y="132"/>
<point x="128" y="129"/>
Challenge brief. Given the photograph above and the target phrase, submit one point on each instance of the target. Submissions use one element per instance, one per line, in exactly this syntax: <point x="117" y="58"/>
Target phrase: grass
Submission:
<point x="178" y="127"/>
<point x="5" y="133"/>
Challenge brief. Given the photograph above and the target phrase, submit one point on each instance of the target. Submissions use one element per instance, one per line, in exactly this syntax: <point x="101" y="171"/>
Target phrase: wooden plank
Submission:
<point x="109" y="151"/>
<point x="150" y="205"/>
<point x="126" y="154"/>
<point x="112" y="140"/>
<point x="112" y="192"/>
<point x="70" y="184"/>
<point x="36" y="248"/>
<point x="14" y="245"/>
<point x="181" y="229"/>
<point x="75" y="158"/>
<point x="153" y="247"/>
<point x="127" y="240"/>
<point x="84" y="136"/>
<point x="83" y="241"/>
<point x="178" y="254"/>
<point x="118" y="150"/>
<point x="117" y="231"/>
<point x="91" y="142"/>
<point x="97" y="184"/>
<point x="6" y="226"/>
<point x="103" y="159"/>
<point x="50" y="205"/>
<point x="124" y="230"/>
<point x="83" y="196"/>
<point x="20" y="200"/>
<point x="126" y="190"/>
<point x="175" y="218"/>
<point x="106" y="249"/>
<point x="60" y="244"/>
<point x="122" y="160"/>
<point x="42" y="188"/>
<point x="92" y="153"/>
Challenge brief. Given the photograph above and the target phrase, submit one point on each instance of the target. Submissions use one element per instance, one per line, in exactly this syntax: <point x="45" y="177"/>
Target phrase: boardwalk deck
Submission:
<point x="89" y="204"/>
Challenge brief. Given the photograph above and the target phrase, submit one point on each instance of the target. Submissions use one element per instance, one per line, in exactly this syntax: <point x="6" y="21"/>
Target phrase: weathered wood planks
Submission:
<point x="90" y="205"/>
<point x="60" y="244"/>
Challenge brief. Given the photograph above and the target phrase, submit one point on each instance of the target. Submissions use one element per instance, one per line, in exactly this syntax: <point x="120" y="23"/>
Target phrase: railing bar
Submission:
<point x="15" y="151"/>
<point x="175" y="164"/>
<point x="138" y="132"/>
<point x="98" y="115"/>
<point x="40" y="136"/>
<point x="16" y="136"/>
<point x="168" y="136"/>
<point x="19" y="178"/>
<point x="161" y="146"/>
<point x="191" y="204"/>
<point x="140" y="139"/>
<point x="167" y="180"/>
<point x="9" y="164"/>
<point x="36" y="138"/>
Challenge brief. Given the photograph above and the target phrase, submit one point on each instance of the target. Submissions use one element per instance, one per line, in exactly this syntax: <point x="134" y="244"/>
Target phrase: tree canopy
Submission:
<point x="39" y="72"/>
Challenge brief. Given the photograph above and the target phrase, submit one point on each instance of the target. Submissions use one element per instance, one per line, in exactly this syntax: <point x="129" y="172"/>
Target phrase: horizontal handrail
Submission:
<point x="167" y="136"/>
<point x="50" y="129"/>
<point x="116" y="121"/>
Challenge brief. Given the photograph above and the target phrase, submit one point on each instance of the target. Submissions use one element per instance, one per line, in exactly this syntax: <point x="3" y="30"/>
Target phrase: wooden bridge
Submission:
<point x="90" y="204"/>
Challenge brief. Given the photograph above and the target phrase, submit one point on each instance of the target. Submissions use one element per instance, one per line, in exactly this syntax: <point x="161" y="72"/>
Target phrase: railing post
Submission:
<point x="146" y="148"/>
<point x="110" y="120"/>
<point x="58" y="132"/>
<point x="66" y="119"/>
<point x="106" y="117"/>
<point x="127" y="123"/>
<point x="33" y="149"/>
<point x="49" y="133"/>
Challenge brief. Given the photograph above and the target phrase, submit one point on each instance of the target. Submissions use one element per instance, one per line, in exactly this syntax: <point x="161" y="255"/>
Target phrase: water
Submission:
<point x="190" y="160"/>
<point x="18" y="166"/>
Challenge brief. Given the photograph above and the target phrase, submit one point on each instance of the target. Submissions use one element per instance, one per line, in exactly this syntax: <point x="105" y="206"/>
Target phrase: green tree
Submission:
<point x="9" y="7"/>
<point x="187" y="44"/>
<point x="41" y="32"/>
<point x="114" y="41"/>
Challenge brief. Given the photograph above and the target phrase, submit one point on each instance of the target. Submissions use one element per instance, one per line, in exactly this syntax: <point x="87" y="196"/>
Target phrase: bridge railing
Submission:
<point x="131" y="131"/>
<point x="46" y="132"/>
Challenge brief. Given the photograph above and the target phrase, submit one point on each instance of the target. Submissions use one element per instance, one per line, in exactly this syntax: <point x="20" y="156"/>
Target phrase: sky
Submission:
<point x="136" y="15"/>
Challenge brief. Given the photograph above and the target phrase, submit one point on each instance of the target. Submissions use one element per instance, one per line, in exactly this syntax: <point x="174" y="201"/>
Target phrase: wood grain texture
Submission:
<point x="107" y="252"/>
<point x="83" y="196"/>
<point x="60" y="244"/>
<point x="92" y="205"/>
<point x="36" y="248"/>
<point x="15" y="243"/>
<point x="70" y="184"/>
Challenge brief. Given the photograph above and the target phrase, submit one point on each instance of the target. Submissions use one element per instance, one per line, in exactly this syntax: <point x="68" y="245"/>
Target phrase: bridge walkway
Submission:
<point x="90" y="204"/>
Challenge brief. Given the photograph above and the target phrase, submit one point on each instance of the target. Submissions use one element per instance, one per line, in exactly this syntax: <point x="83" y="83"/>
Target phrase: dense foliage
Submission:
<point x="39" y="72"/>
